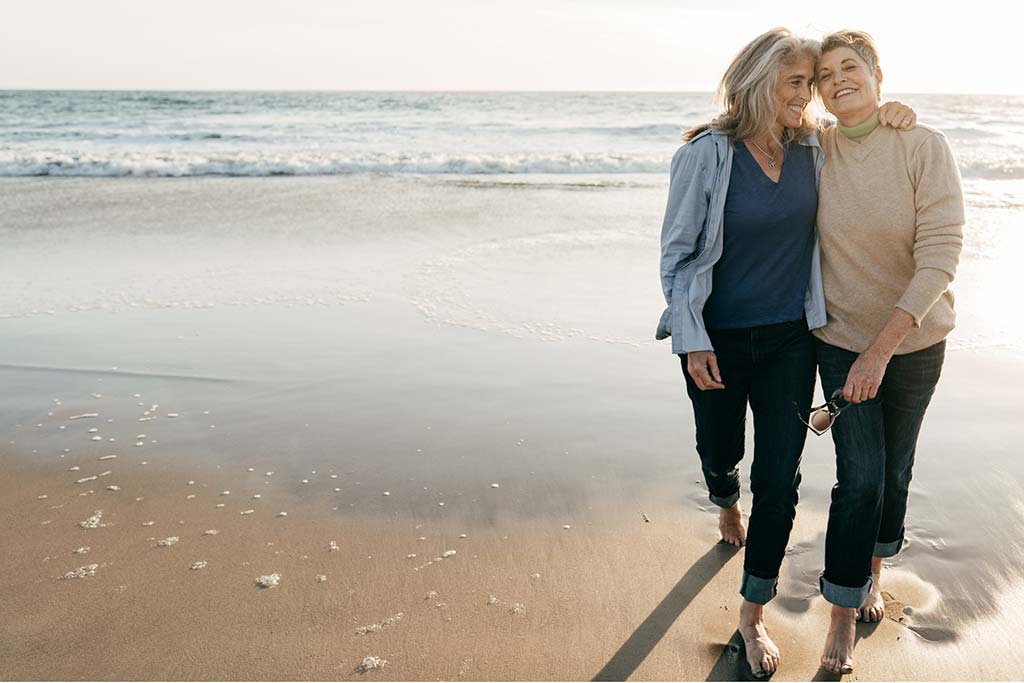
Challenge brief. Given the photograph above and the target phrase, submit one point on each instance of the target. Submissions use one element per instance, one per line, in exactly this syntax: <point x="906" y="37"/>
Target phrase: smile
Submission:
<point x="844" y="92"/>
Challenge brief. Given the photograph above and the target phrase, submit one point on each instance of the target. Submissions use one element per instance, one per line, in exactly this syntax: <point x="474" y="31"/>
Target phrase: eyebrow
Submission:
<point x="825" y="68"/>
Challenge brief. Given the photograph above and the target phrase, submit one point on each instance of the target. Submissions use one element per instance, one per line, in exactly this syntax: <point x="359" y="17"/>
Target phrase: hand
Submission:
<point x="703" y="368"/>
<point x="865" y="377"/>
<point x="897" y="115"/>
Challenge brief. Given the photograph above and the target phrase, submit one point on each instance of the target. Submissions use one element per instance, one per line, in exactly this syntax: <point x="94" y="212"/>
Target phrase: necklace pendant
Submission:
<point x="771" y="163"/>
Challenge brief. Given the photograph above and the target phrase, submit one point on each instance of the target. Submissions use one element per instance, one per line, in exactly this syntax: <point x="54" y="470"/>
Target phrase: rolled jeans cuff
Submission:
<point x="888" y="549"/>
<point x="844" y="596"/>
<point x="757" y="590"/>
<point x="727" y="502"/>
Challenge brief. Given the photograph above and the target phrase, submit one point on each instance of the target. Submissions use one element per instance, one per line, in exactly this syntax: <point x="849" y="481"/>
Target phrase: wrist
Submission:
<point x="880" y="355"/>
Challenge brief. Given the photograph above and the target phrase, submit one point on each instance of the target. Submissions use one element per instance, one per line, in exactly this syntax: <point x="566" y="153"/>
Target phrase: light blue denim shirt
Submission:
<point x="691" y="239"/>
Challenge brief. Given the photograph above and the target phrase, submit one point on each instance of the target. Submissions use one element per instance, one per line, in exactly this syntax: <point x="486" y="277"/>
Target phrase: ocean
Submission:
<point x="615" y="147"/>
<point x="126" y="133"/>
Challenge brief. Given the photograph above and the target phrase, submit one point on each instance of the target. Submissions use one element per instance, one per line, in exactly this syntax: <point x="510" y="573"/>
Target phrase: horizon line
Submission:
<point x="448" y="91"/>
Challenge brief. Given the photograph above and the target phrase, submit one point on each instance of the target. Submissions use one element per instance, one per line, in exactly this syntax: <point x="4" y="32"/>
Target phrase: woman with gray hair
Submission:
<point x="890" y="310"/>
<point x="741" y="274"/>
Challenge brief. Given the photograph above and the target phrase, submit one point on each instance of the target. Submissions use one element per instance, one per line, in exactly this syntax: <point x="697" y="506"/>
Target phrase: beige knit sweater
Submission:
<point x="890" y="217"/>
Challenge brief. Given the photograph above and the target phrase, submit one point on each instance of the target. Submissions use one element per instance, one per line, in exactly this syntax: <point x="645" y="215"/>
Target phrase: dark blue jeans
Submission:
<point x="875" y="443"/>
<point x="771" y="367"/>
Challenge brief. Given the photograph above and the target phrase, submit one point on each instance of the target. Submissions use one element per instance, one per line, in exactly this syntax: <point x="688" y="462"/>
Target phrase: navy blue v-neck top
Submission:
<point x="768" y="242"/>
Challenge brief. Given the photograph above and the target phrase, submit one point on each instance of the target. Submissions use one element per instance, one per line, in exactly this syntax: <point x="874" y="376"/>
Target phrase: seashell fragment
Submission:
<point x="92" y="522"/>
<point x="82" y="572"/>
<point x="268" y="581"/>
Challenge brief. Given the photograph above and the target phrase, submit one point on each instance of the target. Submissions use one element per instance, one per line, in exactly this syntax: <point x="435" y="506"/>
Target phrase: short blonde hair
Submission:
<point x="860" y="42"/>
<point x="747" y="90"/>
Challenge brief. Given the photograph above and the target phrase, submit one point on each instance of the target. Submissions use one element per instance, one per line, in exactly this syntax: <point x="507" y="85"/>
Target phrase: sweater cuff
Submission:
<point x="924" y="290"/>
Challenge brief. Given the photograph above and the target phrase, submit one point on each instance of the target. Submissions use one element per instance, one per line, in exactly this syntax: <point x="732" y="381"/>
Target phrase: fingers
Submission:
<point x="713" y="366"/>
<point x="698" y="369"/>
<point x="849" y="389"/>
<point x="700" y="376"/>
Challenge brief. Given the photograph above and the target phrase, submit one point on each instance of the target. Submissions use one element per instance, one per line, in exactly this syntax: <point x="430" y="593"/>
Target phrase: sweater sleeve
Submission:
<point x="938" y="239"/>
<point x="688" y="197"/>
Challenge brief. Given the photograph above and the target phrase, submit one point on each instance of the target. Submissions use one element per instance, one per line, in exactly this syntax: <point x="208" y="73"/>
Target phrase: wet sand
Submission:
<point x="370" y="415"/>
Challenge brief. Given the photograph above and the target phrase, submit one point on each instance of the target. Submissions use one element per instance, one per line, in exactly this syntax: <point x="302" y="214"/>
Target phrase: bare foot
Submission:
<point x="873" y="607"/>
<point x="762" y="654"/>
<point x="730" y="525"/>
<point x="838" y="654"/>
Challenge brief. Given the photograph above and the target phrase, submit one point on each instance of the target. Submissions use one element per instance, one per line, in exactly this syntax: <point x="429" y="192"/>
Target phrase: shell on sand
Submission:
<point x="200" y="564"/>
<point x="81" y="551"/>
<point x="83" y="415"/>
<point x="107" y="457"/>
<point x="268" y="581"/>
<point x="369" y="663"/>
<point x="92" y="522"/>
<point x="380" y="626"/>
<point x="210" y="532"/>
<point x="332" y="546"/>
<point x="169" y="541"/>
<point x="82" y="572"/>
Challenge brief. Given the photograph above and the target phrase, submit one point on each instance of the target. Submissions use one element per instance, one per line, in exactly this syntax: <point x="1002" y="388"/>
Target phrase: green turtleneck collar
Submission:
<point x="861" y="130"/>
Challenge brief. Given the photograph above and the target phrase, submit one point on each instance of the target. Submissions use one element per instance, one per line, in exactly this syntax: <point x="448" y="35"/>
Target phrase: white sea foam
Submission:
<point x="269" y="134"/>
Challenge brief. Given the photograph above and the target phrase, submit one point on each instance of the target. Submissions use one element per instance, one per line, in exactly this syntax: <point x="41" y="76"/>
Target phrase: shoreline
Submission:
<point x="611" y="596"/>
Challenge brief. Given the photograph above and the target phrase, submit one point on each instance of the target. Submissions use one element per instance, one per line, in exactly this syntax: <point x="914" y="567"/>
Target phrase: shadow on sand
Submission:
<point x="644" y="639"/>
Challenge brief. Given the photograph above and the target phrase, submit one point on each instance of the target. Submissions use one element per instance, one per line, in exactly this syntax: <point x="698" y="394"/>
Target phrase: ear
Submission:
<point x="878" y="78"/>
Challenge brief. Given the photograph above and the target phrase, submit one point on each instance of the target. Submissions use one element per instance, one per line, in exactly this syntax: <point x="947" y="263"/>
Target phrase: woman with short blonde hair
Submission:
<point x="890" y="218"/>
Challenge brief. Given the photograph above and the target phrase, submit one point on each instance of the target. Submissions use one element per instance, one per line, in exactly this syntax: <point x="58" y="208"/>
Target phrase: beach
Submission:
<point x="448" y="385"/>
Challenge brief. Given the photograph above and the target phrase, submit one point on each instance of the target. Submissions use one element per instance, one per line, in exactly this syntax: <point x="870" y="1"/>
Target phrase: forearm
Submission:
<point x="891" y="335"/>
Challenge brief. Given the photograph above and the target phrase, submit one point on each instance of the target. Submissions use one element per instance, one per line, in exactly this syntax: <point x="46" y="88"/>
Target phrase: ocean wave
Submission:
<point x="312" y="162"/>
<point x="1007" y="169"/>
<point x="53" y="164"/>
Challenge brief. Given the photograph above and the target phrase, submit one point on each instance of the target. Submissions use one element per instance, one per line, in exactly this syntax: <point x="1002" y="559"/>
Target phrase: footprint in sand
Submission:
<point x="894" y="609"/>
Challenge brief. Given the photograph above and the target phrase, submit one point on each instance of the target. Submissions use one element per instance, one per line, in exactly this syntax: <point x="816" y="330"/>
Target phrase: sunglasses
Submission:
<point x="821" y="418"/>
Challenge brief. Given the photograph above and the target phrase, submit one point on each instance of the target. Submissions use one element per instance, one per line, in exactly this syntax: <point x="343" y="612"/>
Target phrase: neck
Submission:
<point x="856" y="118"/>
<point x="770" y="140"/>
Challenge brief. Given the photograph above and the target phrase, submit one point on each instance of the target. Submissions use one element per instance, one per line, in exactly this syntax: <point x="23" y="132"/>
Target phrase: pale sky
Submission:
<point x="967" y="47"/>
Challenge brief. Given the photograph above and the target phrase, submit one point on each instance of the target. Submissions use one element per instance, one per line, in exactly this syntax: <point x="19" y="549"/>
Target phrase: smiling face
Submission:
<point x="793" y="92"/>
<point x="848" y="86"/>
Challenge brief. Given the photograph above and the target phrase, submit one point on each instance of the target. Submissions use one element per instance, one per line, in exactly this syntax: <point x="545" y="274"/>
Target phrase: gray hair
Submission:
<point x="746" y="92"/>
